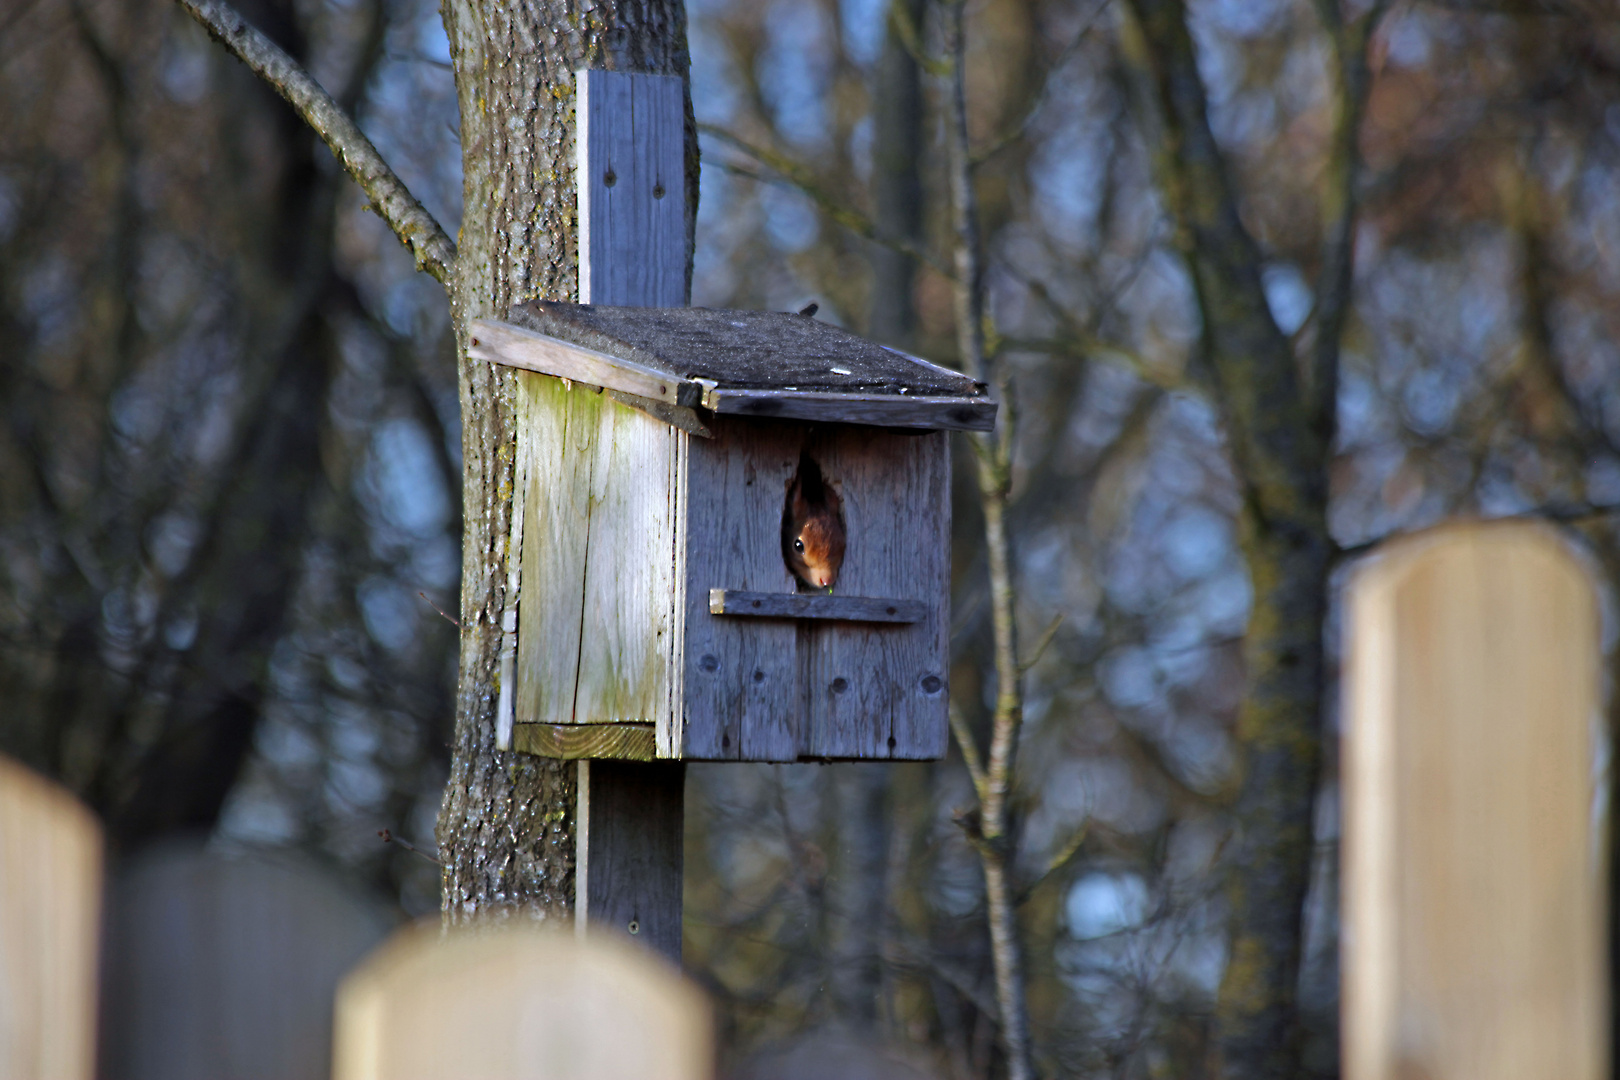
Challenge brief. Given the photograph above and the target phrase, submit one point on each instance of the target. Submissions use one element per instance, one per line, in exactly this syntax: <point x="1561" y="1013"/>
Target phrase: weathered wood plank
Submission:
<point x="1474" y="906"/>
<point x="570" y="742"/>
<point x="560" y="428"/>
<point x="626" y="647"/>
<point x="50" y="920"/>
<point x="675" y="415"/>
<point x="518" y="1002"/>
<point x="878" y="690"/>
<point x="631" y="174"/>
<point x="741" y="676"/>
<point x="745" y="350"/>
<point x="506" y="343"/>
<point x="629" y="849"/>
<point x="815" y="606"/>
<point x="632" y="182"/>
<point x="513" y="345"/>
<point x="880" y="410"/>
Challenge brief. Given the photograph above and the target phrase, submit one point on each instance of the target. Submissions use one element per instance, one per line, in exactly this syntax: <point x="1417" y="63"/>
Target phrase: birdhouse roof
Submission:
<point x="754" y="363"/>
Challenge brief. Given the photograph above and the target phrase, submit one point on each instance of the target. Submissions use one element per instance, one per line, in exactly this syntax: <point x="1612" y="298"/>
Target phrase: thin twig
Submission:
<point x="791" y="174"/>
<point x="389" y="838"/>
<point x="1017" y="131"/>
<point x="989" y="828"/>
<point x="970" y="749"/>
<point x="1058" y="861"/>
<point x="434" y="251"/>
<point x="454" y="621"/>
<point x="1041" y="643"/>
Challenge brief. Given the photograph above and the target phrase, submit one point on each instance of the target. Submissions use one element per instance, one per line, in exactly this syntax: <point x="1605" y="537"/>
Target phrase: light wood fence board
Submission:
<point x="1474" y="931"/>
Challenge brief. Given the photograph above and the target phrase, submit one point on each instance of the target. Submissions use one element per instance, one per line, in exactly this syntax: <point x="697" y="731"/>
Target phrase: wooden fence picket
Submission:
<point x="1474" y="937"/>
<point x="50" y="917"/>
<point x="518" y="1004"/>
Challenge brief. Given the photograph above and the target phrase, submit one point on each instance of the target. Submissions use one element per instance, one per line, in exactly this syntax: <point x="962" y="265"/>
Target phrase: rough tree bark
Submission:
<point x="506" y="829"/>
<point x="506" y="826"/>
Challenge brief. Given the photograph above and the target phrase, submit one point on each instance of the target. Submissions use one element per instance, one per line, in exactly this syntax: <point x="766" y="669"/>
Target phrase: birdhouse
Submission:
<point x="684" y="481"/>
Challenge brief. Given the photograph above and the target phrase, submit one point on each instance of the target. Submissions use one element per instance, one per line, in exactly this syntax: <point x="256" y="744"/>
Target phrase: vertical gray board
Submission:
<point x="743" y="696"/>
<point x="632" y="231"/>
<point x="631" y="849"/>
<point x="871" y="687"/>
<point x="633" y="251"/>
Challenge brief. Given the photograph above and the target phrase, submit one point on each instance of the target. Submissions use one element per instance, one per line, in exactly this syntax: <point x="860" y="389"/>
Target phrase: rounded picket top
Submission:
<point x="50" y="917"/>
<point x="1472" y="862"/>
<point x="518" y="1003"/>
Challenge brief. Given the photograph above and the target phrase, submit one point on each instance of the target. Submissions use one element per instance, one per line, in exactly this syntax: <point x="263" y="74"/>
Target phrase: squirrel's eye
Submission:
<point x="798" y="545"/>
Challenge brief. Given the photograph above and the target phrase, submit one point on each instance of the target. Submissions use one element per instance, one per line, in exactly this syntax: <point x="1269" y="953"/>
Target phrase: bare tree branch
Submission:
<point x="1350" y="78"/>
<point x="1018" y="130"/>
<point x="989" y="829"/>
<point x="433" y="250"/>
<point x="794" y="175"/>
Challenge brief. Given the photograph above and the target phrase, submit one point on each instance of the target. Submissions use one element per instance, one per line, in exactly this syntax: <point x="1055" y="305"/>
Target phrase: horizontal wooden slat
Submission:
<point x="815" y="606"/>
<point x="674" y="415"/>
<point x="625" y="742"/>
<point x="503" y="343"/>
<point x="878" y="410"/>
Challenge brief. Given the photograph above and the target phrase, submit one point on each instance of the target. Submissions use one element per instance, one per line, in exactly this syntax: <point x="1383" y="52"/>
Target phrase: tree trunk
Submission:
<point x="506" y="826"/>
<point x="1275" y="438"/>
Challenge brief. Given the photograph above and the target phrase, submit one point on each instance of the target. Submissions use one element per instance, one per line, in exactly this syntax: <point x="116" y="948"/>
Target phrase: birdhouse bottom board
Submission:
<point x="657" y="616"/>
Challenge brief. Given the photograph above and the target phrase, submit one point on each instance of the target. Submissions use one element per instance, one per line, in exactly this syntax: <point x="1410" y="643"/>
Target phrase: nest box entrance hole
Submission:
<point x="814" y="538"/>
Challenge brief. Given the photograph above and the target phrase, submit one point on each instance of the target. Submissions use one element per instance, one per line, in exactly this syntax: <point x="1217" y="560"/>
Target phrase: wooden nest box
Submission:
<point x="656" y="613"/>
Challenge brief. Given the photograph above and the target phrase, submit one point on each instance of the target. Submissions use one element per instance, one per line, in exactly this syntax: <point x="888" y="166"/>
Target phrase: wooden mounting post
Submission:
<point x="631" y="180"/>
<point x="1474" y="909"/>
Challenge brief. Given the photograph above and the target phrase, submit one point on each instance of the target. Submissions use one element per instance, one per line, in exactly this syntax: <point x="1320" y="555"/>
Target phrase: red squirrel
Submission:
<point x="813" y="527"/>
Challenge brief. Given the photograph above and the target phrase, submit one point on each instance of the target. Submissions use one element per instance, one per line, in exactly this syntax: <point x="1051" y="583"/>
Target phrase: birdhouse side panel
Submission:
<point x="877" y="690"/>
<point x="556" y="432"/>
<point x="742" y="693"/>
<point x="626" y="651"/>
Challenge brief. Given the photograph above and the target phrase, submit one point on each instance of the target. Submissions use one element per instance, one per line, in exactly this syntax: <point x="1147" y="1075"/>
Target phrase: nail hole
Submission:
<point x="709" y="663"/>
<point x="756" y="603"/>
<point x="634" y="927"/>
<point x="610" y="178"/>
<point x="931" y="684"/>
<point x="889" y="610"/>
<point x="663" y="389"/>
<point x="891" y="742"/>
<point x="475" y="341"/>
<point x="725" y="741"/>
<point x="840" y="684"/>
<point x="759" y="676"/>
<point x="658" y="191"/>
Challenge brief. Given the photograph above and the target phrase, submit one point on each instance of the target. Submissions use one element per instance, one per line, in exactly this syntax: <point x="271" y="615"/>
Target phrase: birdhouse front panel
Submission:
<point x="776" y="670"/>
<point x="717" y="562"/>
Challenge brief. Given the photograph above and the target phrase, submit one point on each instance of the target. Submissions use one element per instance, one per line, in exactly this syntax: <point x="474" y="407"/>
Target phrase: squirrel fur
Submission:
<point x="813" y="527"/>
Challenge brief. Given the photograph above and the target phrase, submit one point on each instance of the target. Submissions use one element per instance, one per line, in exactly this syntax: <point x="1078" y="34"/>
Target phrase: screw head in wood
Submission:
<point x="634" y="927"/>
<point x="709" y="663"/>
<point x="840" y="684"/>
<point x="931" y="684"/>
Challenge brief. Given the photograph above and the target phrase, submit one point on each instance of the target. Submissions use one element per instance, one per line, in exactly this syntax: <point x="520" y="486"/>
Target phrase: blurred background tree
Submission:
<point x="229" y="455"/>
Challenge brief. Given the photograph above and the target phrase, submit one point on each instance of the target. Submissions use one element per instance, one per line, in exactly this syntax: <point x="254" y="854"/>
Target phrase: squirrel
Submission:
<point x="813" y="527"/>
